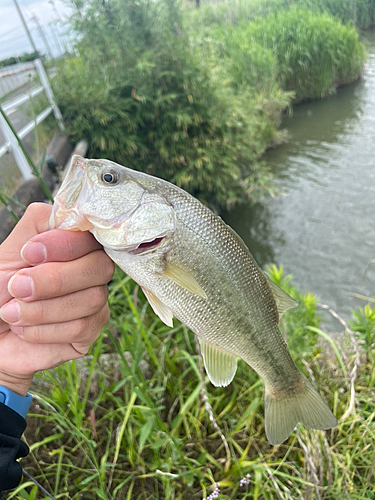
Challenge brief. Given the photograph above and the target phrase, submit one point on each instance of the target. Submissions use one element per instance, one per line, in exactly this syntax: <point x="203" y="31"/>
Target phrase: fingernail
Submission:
<point x="18" y="330"/>
<point x="34" y="253"/>
<point x="10" y="313"/>
<point x="21" y="286"/>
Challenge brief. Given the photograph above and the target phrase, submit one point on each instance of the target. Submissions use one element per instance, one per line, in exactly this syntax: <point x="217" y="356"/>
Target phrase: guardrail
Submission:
<point x="12" y="141"/>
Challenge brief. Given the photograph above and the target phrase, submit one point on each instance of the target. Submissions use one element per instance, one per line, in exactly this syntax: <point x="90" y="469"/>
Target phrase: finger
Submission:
<point x="60" y="309"/>
<point x="81" y="332"/>
<point x="33" y="222"/>
<point x="58" y="245"/>
<point x="57" y="279"/>
<point x="4" y="327"/>
<point x="35" y="357"/>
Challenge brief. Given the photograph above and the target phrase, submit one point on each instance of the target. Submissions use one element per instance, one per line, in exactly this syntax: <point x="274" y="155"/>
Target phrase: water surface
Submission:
<point x="322" y="230"/>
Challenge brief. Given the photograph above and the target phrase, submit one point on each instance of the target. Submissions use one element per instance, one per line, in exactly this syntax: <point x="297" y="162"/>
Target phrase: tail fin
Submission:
<point x="283" y="412"/>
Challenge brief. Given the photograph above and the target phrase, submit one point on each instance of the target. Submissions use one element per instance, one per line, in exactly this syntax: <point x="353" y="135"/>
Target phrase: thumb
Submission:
<point x="33" y="222"/>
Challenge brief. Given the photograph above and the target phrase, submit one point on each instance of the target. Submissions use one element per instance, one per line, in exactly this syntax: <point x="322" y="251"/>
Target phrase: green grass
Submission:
<point x="361" y="13"/>
<point x="305" y="52"/>
<point x="138" y="419"/>
<point x="315" y="53"/>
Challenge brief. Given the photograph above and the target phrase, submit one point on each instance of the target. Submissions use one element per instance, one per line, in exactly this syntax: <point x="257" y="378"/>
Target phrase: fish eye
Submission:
<point x="110" y="177"/>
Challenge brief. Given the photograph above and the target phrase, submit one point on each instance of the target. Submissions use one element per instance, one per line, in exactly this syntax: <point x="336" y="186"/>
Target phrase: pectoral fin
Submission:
<point x="183" y="278"/>
<point x="220" y="365"/>
<point x="283" y="300"/>
<point x="163" y="311"/>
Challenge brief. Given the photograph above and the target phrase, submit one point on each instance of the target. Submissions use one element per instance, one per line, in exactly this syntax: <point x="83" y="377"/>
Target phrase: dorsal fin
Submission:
<point x="220" y="365"/>
<point x="283" y="300"/>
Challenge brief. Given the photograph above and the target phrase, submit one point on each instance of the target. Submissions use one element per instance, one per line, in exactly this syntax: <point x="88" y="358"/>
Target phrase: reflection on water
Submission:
<point x="322" y="230"/>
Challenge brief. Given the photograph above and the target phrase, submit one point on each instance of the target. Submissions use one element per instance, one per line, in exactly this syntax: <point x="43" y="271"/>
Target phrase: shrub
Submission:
<point x="195" y="106"/>
<point x="315" y="52"/>
<point x="229" y="13"/>
<point x="143" y="95"/>
<point x="363" y="323"/>
<point x="359" y="12"/>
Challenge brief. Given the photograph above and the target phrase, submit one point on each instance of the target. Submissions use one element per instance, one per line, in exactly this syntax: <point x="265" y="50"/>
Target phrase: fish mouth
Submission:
<point x="136" y="249"/>
<point x="65" y="211"/>
<point x="148" y="246"/>
<point x="68" y="219"/>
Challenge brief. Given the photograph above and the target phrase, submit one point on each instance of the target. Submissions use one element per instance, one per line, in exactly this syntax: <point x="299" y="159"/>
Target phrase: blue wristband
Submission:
<point x="18" y="403"/>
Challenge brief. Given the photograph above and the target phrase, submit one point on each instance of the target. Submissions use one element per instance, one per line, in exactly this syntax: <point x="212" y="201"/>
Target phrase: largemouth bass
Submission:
<point x="194" y="267"/>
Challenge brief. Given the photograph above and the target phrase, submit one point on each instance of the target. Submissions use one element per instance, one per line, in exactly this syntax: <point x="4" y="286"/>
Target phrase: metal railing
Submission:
<point x="12" y="144"/>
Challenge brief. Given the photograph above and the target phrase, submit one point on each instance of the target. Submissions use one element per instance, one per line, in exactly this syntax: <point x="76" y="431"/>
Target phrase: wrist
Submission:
<point x="17" y="403"/>
<point x="18" y="385"/>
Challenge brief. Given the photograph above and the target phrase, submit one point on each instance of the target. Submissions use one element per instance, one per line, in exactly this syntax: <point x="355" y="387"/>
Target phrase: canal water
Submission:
<point x="322" y="229"/>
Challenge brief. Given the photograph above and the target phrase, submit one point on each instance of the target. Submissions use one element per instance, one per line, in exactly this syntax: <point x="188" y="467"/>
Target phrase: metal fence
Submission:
<point x="12" y="144"/>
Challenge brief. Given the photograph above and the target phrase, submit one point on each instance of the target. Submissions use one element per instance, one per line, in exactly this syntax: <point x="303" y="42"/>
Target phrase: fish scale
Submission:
<point x="241" y="271"/>
<point x="192" y="266"/>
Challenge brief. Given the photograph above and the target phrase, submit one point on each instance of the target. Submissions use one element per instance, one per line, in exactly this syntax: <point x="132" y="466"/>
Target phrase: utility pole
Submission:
<point x="41" y="32"/>
<point x="52" y="2"/>
<point x="27" y="29"/>
<point x="57" y="34"/>
<point x="57" y="42"/>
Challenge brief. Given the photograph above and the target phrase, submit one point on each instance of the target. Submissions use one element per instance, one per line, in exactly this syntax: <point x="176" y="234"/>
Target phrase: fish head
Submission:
<point x="123" y="208"/>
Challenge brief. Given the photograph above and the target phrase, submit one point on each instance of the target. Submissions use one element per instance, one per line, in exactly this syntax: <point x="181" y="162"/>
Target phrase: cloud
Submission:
<point x="13" y="39"/>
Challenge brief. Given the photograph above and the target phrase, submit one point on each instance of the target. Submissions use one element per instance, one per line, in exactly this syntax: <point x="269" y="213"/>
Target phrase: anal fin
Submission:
<point x="163" y="311"/>
<point x="220" y="365"/>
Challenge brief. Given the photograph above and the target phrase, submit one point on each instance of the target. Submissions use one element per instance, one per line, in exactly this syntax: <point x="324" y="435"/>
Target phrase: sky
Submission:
<point x="13" y="38"/>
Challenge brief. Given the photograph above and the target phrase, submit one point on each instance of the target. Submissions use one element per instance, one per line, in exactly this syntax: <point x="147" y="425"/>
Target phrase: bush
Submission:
<point x="359" y="12"/>
<point x="228" y="12"/>
<point x="363" y="323"/>
<point x="315" y="52"/>
<point x="143" y="95"/>
<point x="310" y="52"/>
<point x="197" y="107"/>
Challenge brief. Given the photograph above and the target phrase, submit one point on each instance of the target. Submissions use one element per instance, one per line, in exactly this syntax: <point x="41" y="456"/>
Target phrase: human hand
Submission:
<point x="53" y="297"/>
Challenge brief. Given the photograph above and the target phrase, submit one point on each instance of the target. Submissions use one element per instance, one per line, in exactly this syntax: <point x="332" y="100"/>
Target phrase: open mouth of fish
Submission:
<point x="147" y="246"/>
